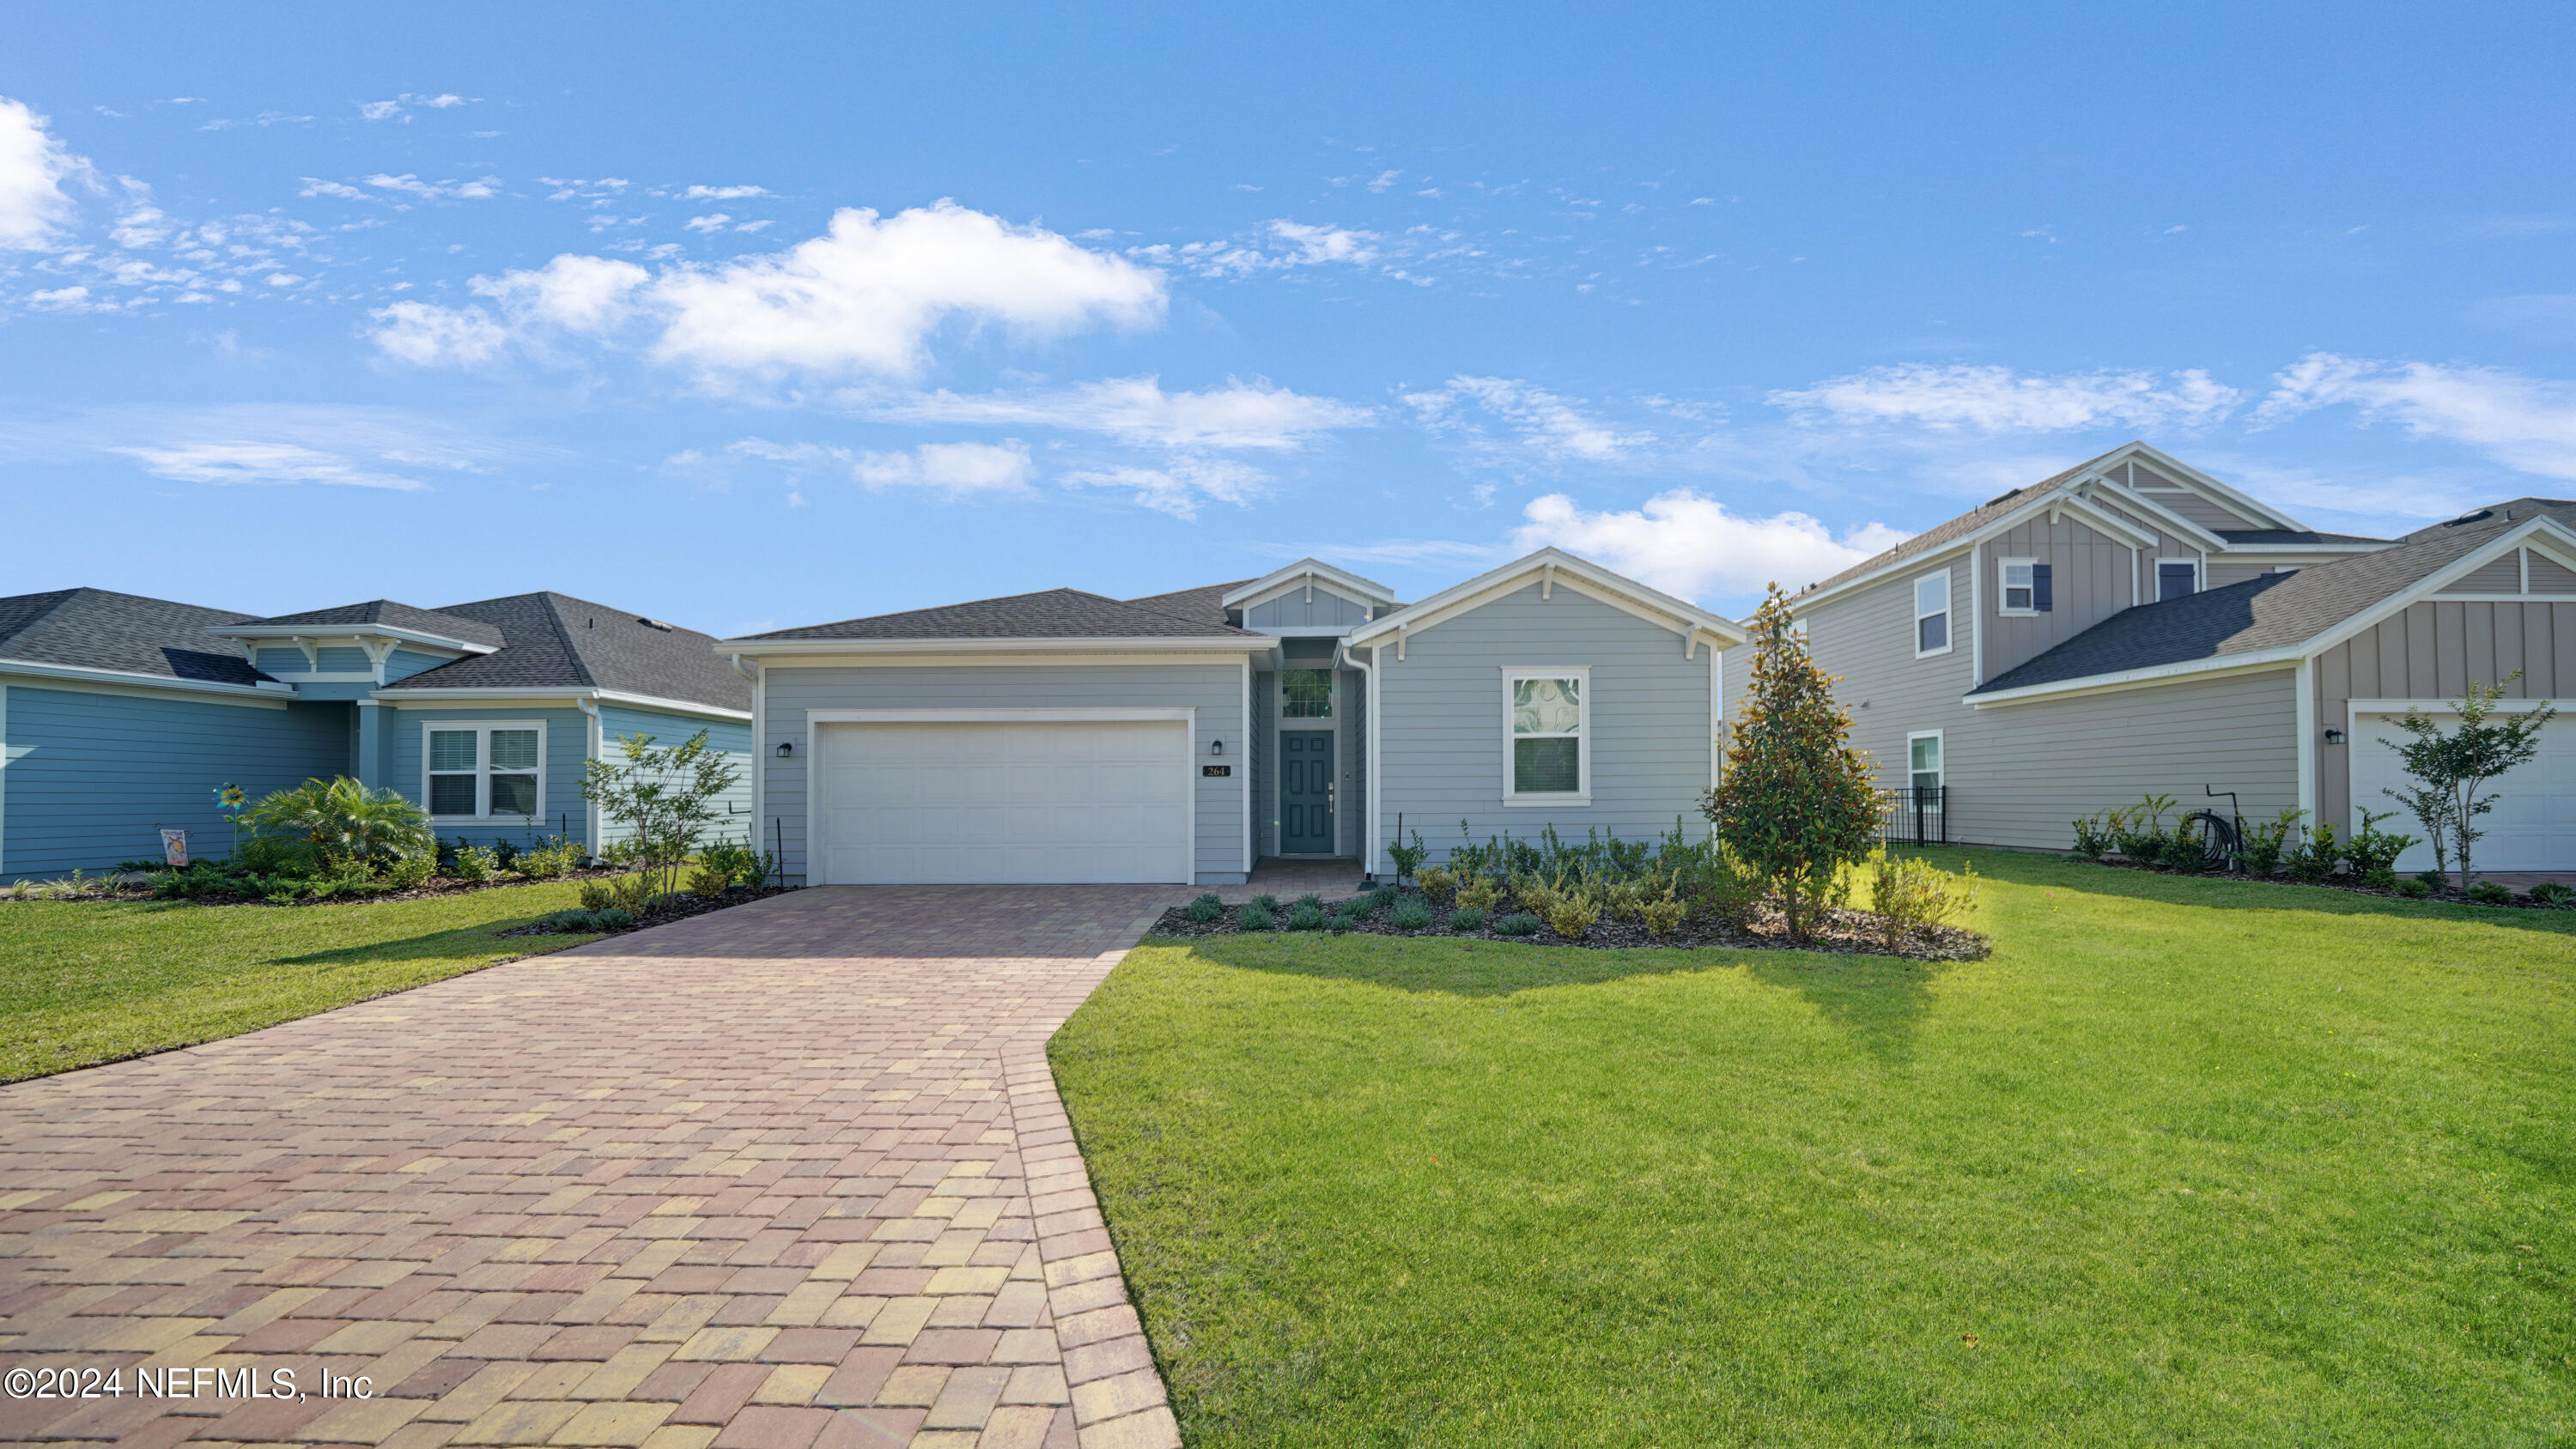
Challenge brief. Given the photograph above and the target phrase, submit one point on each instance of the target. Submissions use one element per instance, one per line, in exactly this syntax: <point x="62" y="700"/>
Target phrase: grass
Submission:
<point x="2185" y="1162"/>
<point x="82" y="984"/>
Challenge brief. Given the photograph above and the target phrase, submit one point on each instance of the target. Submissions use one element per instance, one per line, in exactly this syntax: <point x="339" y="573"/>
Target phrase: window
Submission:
<point x="2024" y="587"/>
<point x="1545" y="716"/>
<point x="1923" y="761"/>
<point x="484" y="771"/>
<point x="1932" y="614"/>
<point x="1305" y="694"/>
<point x="2176" y="578"/>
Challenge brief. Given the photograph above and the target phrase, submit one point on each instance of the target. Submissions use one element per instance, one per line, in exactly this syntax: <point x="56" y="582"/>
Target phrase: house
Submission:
<point x="121" y="715"/>
<point x="1069" y="736"/>
<point x="2133" y="624"/>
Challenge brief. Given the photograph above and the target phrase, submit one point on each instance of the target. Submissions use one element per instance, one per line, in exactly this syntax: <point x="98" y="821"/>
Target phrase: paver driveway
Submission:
<point x="789" y="1174"/>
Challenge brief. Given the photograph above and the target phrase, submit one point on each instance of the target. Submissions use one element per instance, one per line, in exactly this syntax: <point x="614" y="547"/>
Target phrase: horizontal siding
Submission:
<point x="1215" y="690"/>
<point x="2551" y="577"/>
<point x="1441" y="743"/>
<point x="2207" y="512"/>
<point x="2498" y="576"/>
<point x="92" y="779"/>
<point x="281" y="661"/>
<point x="2019" y="773"/>
<point x="2431" y="652"/>
<point x="404" y="663"/>
<point x="1865" y="641"/>
<point x="736" y="820"/>
<point x="567" y="737"/>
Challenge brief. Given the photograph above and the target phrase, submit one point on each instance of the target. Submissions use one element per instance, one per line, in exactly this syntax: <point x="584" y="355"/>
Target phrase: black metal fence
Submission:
<point x="1914" y="815"/>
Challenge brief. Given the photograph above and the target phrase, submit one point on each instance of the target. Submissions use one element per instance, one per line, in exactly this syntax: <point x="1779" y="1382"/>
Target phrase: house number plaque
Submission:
<point x="1216" y="771"/>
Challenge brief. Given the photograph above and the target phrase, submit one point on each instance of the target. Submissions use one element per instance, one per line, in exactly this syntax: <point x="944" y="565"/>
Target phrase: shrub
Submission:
<point x="344" y="820"/>
<point x="1267" y="902"/>
<point x="2265" y="843"/>
<point x="1306" y="915"/>
<point x="2092" y="840"/>
<point x="546" y="862"/>
<point x="2187" y="848"/>
<point x="2557" y="894"/>
<point x="2139" y="832"/>
<point x="1311" y="899"/>
<point x="742" y="865"/>
<point x="2491" y="893"/>
<point x="269" y="855"/>
<point x="1407" y="858"/>
<point x="1535" y="896"/>
<point x="1437" y="884"/>
<point x="1518" y="923"/>
<point x="1663" y="914"/>
<point x="473" y="862"/>
<point x="708" y="882"/>
<point x="1206" y="908"/>
<point x="1795" y="801"/>
<point x="1466" y="918"/>
<point x="1410" y="916"/>
<point x="2380" y="878"/>
<point x="505" y="856"/>
<point x="1912" y="896"/>
<point x="1573" y="917"/>
<point x="1382" y="897"/>
<point x="1344" y="918"/>
<point x="664" y="799"/>
<point x="2433" y="880"/>
<point x="1623" y="900"/>
<point x="1478" y="894"/>
<point x="2374" y="850"/>
<point x="1256" y="917"/>
<point x="2315" y="858"/>
<point x="412" y="871"/>
<point x="2413" y="888"/>
<point x="578" y="922"/>
<point x="1718" y="886"/>
<point x="617" y="893"/>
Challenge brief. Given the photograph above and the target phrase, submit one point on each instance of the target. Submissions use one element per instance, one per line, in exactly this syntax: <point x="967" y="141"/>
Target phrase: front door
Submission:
<point x="1305" y="792"/>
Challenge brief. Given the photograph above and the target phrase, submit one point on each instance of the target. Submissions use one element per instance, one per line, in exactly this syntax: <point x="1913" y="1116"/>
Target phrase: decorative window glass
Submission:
<point x="483" y="771"/>
<point x="1547" y="735"/>
<point x="2176" y="580"/>
<point x="1932" y="614"/>
<point x="1305" y="694"/>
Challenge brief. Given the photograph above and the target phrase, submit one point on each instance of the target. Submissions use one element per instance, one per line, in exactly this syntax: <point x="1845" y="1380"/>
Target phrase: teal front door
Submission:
<point x="1305" y="792"/>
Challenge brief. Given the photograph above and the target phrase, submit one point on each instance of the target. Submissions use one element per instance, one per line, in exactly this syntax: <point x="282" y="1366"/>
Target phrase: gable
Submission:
<point x="2184" y="498"/>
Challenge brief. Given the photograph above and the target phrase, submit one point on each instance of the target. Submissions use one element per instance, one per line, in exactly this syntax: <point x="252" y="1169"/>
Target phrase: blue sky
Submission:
<point x="761" y="316"/>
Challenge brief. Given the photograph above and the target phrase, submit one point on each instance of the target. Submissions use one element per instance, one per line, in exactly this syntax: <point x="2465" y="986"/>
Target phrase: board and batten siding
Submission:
<point x="1294" y="610"/>
<point x="562" y="810"/>
<point x="89" y="779"/>
<point x="2090" y="577"/>
<point x="2431" y="652"/>
<point x="1443" y="745"/>
<point x="734" y="816"/>
<point x="1214" y="688"/>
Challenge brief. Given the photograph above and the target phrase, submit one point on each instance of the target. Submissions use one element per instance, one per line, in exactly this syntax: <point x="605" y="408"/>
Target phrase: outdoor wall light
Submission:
<point x="1216" y="747"/>
<point x="786" y="749"/>
<point x="2334" y="737"/>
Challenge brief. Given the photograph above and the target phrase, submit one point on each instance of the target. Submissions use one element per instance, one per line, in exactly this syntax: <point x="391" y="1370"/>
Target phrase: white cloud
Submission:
<point x="722" y="193"/>
<point x="713" y="222"/>
<point x="379" y="110"/>
<point x="247" y="462"/>
<point x="866" y="296"/>
<point x="2525" y="423"/>
<point x="958" y="470"/>
<point x="398" y="109"/>
<point x="1180" y="485"/>
<point x="316" y="186"/>
<point x="483" y="189"/>
<point x="1688" y="544"/>
<point x="1137" y="410"/>
<point x="575" y="293"/>
<point x="1998" y="399"/>
<point x="1275" y="245"/>
<point x="1540" y="421"/>
<point x="431" y="336"/>
<point x="33" y="166"/>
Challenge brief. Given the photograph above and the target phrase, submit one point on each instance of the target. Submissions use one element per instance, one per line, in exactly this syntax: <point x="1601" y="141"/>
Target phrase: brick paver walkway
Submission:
<point x="792" y="1174"/>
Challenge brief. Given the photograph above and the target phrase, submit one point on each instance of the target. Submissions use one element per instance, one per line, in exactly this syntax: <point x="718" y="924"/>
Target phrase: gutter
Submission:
<point x="1181" y="644"/>
<point x="272" y="690"/>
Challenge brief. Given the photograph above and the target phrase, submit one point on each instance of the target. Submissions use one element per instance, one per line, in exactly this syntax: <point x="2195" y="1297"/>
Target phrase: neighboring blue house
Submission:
<point x="120" y="715"/>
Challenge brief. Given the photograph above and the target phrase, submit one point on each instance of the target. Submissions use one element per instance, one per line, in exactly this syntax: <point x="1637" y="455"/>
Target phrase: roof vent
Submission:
<point x="1998" y="498"/>
<point x="656" y="624"/>
<point x="2470" y="517"/>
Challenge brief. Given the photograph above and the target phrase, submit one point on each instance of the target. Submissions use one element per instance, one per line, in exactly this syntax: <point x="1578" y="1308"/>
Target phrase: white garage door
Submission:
<point x="1015" y="804"/>
<point x="2533" y="825"/>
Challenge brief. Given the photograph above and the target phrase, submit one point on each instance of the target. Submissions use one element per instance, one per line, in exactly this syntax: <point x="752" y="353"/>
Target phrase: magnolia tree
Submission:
<point x="1795" y="800"/>
<point x="2450" y="767"/>
<point x="664" y="798"/>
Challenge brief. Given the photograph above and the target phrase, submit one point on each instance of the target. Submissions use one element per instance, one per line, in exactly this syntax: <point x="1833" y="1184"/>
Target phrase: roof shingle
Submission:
<point x="396" y="616"/>
<point x="126" y="633"/>
<point x="1048" y="614"/>
<point x="555" y="641"/>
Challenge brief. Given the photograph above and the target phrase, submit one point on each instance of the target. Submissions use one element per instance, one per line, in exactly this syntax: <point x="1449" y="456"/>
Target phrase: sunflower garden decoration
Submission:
<point x="231" y="799"/>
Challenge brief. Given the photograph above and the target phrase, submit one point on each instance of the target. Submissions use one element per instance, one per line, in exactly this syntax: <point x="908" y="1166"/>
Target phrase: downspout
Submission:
<point x="759" y="734"/>
<point x="1376" y="754"/>
<point x="595" y="749"/>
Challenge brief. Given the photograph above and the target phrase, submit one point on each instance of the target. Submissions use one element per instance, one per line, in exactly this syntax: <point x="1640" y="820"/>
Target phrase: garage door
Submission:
<point x="2533" y="825"/>
<point x="1018" y="803"/>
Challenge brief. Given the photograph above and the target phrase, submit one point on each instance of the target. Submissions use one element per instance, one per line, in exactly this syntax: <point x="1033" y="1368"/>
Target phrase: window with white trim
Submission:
<point x="1546" y="730"/>
<point x="2022" y="586"/>
<point x="484" y="771"/>
<point x="1923" y="766"/>
<point x="1932" y="614"/>
<point x="1305" y="694"/>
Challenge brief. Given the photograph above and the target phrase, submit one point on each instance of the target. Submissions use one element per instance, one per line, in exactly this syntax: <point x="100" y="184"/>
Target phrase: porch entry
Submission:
<point x="1306" y="792"/>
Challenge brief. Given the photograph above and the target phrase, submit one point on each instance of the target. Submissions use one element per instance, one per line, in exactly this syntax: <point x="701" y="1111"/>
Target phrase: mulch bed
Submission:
<point x="670" y="908"/>
<point x="1841" y="932"/>
<point x="2347" y="884"/>
<point x="434" y="886"/>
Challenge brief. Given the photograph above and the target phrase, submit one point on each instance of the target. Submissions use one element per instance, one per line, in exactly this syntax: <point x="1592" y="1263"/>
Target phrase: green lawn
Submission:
<point x="2194" y="1162"/>
<point x="87" y="983"/>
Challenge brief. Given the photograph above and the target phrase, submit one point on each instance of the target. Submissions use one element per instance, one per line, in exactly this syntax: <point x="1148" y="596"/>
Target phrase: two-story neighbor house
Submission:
<point x="120" y="715"/>
<point x="2134" y="624"/>
<point x="1069" y="736"/>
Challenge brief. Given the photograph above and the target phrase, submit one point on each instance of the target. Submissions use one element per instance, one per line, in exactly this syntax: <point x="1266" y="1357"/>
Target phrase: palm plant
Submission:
<point x="346" y="820"/>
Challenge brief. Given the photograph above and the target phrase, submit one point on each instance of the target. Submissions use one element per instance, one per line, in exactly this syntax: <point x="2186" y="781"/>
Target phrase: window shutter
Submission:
<point x="2039" y="590"/>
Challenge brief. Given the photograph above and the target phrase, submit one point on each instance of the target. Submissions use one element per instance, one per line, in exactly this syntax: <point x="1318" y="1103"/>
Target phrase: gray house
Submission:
<point x="1068" y="736"/>
<point x="2134" y="624"/>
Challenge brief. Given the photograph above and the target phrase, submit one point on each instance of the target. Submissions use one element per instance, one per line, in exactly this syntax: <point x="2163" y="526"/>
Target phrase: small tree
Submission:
<point x="664" y="797"/>
<point x="1795" y="801"/>
<point x="344" y="820"/>
<point x="2457" y="765"/>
